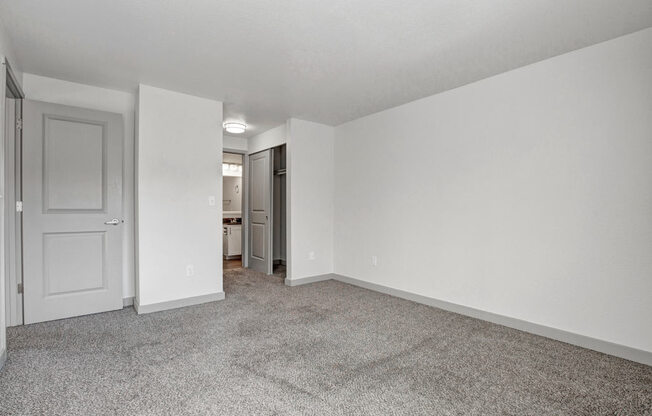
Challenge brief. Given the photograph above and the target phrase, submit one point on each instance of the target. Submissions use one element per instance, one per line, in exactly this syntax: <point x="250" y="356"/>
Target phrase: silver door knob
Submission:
<point x="114" y="221"/>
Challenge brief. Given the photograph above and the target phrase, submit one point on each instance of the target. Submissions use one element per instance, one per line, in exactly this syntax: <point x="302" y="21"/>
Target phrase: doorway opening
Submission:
<point x="267" y="212"/>
<point x="279" y="212"/>
<point x="62" y="209"/>
<point x="232" y="207"/>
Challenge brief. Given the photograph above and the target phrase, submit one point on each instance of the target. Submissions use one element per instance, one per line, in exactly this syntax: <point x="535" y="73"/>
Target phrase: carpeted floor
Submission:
<point x="326" y="348"/>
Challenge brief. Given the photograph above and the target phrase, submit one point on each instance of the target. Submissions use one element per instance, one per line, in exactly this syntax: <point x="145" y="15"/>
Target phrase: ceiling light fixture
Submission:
<point x="235" y="128"/>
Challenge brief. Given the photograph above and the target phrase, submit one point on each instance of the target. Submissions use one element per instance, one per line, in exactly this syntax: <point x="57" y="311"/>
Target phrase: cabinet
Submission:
<point x="232" y="240"/>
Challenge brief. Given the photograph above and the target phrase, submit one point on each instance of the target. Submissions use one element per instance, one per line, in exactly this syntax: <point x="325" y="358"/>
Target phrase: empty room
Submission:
<point x="426" y="207"/>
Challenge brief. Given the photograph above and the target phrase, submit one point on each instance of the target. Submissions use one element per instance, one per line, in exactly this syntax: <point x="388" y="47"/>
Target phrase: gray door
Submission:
<point x="72" y="218"/>
<point x="260" y="206"/>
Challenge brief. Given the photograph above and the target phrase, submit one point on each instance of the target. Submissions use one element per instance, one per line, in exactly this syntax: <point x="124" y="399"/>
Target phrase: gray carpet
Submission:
<point x="326" y="348"/>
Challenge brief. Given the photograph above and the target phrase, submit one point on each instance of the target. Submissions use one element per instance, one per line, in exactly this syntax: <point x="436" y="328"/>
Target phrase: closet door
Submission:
<point x="260" y="208"/>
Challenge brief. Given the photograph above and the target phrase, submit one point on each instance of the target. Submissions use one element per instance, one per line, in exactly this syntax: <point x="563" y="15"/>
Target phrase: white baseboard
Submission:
<point x="129" y="301"/>
<point x="622" y="351"/>
<point x="3" y="358"/>
<point x="310" y="279"/>
<point x="177" y="303"/>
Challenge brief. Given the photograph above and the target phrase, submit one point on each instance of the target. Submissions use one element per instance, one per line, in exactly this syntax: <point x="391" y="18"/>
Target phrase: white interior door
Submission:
<point x="72" y="218"/>
<point x="260" y="207"/>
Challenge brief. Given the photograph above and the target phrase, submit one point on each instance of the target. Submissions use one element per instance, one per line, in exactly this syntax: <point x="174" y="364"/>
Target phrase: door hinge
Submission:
<point x="20" y="288"/>
<point x="19" y="124"/>
<point x="19" y="206"/>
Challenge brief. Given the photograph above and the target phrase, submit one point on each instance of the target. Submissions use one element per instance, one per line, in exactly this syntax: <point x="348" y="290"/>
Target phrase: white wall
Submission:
<point x="179" y="155"/>
<point x="79" y="95"/>
<point x="7" y="51"/>
<point x="268" y="139"/>
<point x="528" y="194"/>
<point x="234" y="143"/>
<point x="310" y="183"/>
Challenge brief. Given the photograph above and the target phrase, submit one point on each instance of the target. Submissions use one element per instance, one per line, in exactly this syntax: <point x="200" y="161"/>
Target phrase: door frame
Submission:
<point x="245" y="202"/>
<point x="12" y="187"/>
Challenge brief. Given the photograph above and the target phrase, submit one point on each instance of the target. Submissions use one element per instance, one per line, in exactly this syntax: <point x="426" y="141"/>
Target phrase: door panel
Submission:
<point x="74" y="262"/>
<point x="258" y="241"/>
<point x="260" y="180"/>
<point x="259" y="168"/>
<point x="72" y="185"/>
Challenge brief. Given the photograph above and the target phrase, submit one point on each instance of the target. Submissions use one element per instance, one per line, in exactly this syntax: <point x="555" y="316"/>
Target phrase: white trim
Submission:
<point x="310" y="279"/>
<point x="606" y="347"/>
<point x="128" y="301"/>
<point x="3" y="358"/>
<point x="177" y="303"/>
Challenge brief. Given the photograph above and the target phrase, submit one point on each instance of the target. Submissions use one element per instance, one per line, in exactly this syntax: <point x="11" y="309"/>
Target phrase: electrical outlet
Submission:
<point x="374" y="260"/>
<point x="311" y="255"/>
<point x="211" y="201"/>
<point x="190" y="270"/>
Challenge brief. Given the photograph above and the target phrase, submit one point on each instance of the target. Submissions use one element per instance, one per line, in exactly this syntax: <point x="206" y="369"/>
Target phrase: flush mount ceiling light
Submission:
<point x="235" y="128"/>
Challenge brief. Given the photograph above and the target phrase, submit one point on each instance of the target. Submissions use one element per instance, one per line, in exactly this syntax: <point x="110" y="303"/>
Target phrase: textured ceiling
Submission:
<point x="326" y="61"/>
